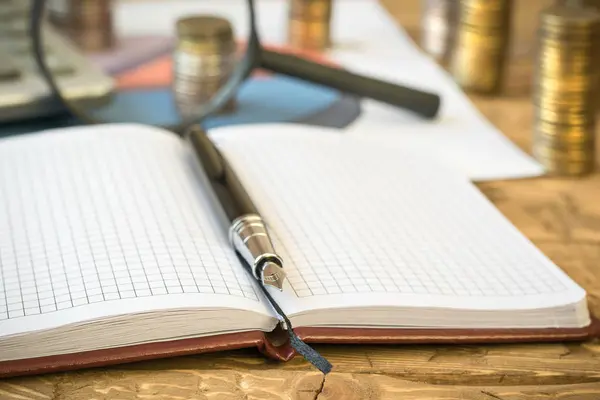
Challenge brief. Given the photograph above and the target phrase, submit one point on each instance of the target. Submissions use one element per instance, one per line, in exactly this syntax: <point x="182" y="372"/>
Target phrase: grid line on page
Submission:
<point x="27" y="272"/>
<point x="183" y="219"/>
<point x="189" y="233"/>
<point x="168" y="276"/>
<point x="142" y="282"/>
<point x="78" y="183"/>
<point x="4" y="304"/>
<point x="58" y="278"/>
<point x="44" y="279"/>
<point x="343" y="213"/>
<point x="51" y="304"/>
<point x="14" y="295"/>
<point x="305" y="280"/>
<point x="106" y="219"/>
<point x="149" y="260"/>
<point x="66" y="183"/>
<point x="125" y="178"/>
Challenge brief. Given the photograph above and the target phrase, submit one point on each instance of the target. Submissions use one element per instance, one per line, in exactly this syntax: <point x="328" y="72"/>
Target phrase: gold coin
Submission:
<point x="586" y="110"/>
<point x="476" y="72"/>
<point x="580" y="40"/>
<point x="309" y="35"/>
<point x="565" y="101"/>
<point x="565" y="83"/>
<point x="554" y="117"/>
<point x="553" y="128"/>
<point x="311" y="10"/>
<point x="564" y="166"/>
<point x="567" y="35"/>
<point x="565" y="53"/>
<point x="483" y="32"/>
<point x="90" y="24"/>
<point x="567" y="17"/>
<point x="309" y="24"/>
<point x="555" y="151"/>
<point x="471" y="39"/>
<point x="547" y="99"/>
<point x="561" y="168"/>
<point x="564" y="142"/>
<point x="488" y="14"/>
<point x="566" y="57"/>
<point x="202" y="28"/>
<point x="204" y="58"/>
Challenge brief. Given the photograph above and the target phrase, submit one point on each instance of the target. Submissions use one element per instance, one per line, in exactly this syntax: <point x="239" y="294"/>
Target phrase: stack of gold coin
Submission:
<point x="438" y="28"/>
<point x="566" y="89"/>
<point x="90" y="24"/>
<point x="309" y="24"/>
<point x="483" y="34"/>
<point x="204" y="59"/>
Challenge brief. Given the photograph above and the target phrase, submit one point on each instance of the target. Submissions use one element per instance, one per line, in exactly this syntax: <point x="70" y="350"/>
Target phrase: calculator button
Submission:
<point x="58" y="66"/>
<point x="14" y="29"/>
<point x="25" y="46"/>
<point x="8" y="13"/>
<point x="7" y="70"/>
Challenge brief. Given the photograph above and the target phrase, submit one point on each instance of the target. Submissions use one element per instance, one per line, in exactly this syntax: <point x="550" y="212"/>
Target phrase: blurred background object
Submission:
<point x="489" y="47"/>
<point x="203" y="60"/>
<point x="440" y="23"/>
<point x="483" y="36"/>
<point x="309" y="24"/>
<point x="566" y="89"/>
<point x="156" y="72"/>
<point x="591" y="3"/>
<point x="24" y="95"/>
<point x="89" y="23"/>
<point x="439" y="19"/>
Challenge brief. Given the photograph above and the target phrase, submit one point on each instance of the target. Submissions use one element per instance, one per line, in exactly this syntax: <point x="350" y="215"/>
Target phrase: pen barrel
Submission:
<point x="249" y="237"/>
<point x="420" y="102"/>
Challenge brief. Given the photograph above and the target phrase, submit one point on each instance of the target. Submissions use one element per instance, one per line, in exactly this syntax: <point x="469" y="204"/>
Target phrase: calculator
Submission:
<point x="24" y="94"/>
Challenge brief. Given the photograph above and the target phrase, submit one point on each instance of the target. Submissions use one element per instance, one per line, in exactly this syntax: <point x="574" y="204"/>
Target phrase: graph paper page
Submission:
<point x="108" y="220"/>
<point x="364" y="225"/>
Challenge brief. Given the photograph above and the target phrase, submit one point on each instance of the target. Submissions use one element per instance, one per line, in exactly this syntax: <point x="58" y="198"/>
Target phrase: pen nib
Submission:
<point x="273" y="275"/>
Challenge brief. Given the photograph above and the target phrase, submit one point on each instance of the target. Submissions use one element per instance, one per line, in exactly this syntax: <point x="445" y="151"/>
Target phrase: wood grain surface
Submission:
<point x="561" y="216"/>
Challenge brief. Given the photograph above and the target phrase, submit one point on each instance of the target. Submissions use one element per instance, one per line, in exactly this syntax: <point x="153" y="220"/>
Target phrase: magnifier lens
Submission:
<point x="168" y="86"/>
<point x="172" y="81"/>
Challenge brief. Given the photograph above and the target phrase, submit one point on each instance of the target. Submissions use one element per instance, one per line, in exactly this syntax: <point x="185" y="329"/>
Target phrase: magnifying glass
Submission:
<point x="422" y="103"/>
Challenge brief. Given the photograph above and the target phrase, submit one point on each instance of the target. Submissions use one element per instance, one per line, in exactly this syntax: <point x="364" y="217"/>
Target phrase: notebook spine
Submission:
<point x="145" y="352"/>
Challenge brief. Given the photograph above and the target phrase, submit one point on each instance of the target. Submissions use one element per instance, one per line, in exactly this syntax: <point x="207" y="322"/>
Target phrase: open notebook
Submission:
<point x="113" y="249"/>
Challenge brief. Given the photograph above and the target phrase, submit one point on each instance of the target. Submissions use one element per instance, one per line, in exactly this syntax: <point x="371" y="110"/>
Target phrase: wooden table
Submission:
<point x="561" y="216"/>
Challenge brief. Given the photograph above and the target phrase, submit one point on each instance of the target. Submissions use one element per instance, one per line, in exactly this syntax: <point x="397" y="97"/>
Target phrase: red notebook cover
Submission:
<point x="275" y="345"/>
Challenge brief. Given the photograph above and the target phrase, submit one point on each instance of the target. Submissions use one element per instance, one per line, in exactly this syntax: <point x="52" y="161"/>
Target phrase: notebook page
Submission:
<point x="364" y="225"/>
<point x="106" y="220"/>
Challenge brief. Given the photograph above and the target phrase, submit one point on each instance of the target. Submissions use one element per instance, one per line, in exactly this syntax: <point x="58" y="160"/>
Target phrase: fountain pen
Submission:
<point x="248" y="233"/>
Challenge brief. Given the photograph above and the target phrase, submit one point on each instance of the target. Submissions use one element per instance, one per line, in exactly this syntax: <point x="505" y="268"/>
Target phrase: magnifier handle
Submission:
<point x="420" y="102"/>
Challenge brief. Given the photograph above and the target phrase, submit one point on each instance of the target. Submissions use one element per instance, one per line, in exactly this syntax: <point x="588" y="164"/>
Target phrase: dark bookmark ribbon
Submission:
<point x="309" y="354"/>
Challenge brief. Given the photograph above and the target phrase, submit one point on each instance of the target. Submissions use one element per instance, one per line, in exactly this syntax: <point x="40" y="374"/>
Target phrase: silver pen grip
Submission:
<point x="248" y="235"/>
